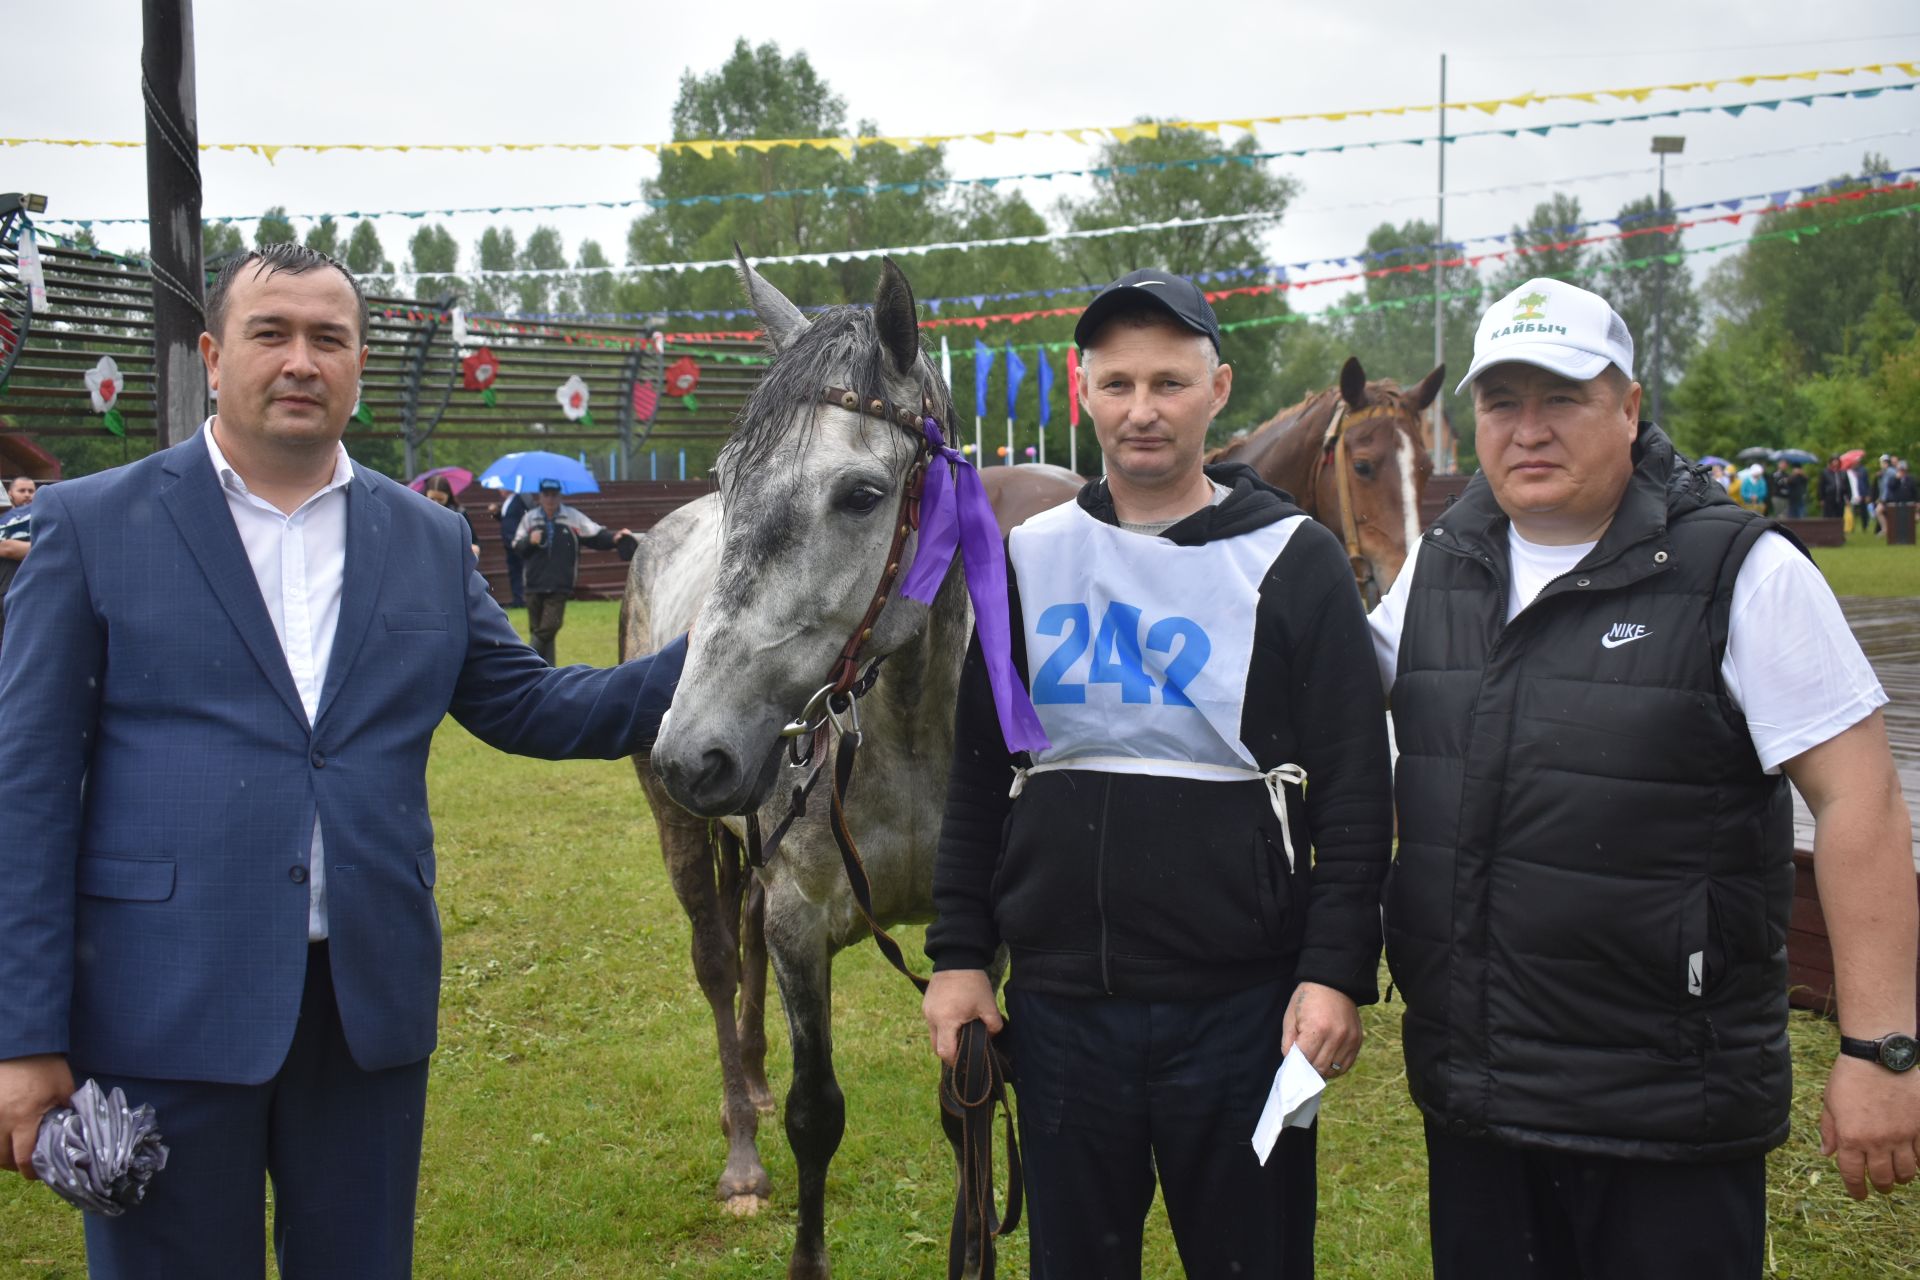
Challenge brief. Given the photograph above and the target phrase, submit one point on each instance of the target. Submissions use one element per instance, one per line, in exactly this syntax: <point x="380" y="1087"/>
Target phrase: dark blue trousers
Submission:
<point x="1116" y="1095"/>
<point x="342" y="1146"/>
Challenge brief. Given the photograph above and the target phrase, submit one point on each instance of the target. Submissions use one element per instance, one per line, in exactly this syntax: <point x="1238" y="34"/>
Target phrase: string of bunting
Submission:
<point x="1776" y="198"/>
<point x="1792" y="235"/>
<point x="706" y="148"/>
<point x="1124" y="170"/>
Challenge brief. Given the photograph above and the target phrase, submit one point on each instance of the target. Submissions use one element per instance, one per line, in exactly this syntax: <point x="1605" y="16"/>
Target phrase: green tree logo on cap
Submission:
<point x="1530" y="307"/>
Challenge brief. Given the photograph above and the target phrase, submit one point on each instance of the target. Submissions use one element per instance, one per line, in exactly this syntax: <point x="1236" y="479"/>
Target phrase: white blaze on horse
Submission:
<point x="775" y="573"/>
<point x="1356" y="458"/>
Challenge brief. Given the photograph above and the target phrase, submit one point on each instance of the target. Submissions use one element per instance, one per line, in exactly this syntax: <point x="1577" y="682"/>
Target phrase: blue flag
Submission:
<point x="1045" y="373"/>
<point x="982" y="366"/>
<point x="1016" y="373"/>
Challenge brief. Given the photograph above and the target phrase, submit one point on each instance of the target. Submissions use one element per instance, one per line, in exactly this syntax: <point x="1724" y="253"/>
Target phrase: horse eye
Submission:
<point x="1362" y="466"/>
<point x="861" y="501"/>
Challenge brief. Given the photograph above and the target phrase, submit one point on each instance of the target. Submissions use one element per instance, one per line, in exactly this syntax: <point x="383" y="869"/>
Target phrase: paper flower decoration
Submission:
<point x="480" y="370"/>
<point x="572" y="395"/>
<point x="683" y="375"/>
<point x="103" y="384"/>
<point x="645" y="400"/>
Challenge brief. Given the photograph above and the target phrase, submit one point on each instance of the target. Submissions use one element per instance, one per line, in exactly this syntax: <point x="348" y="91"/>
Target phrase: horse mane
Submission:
<point x="840" y="347"/>
<point x="1292" y="413"/>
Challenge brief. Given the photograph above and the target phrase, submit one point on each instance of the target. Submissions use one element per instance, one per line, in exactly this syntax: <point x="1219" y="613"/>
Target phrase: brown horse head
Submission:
<point x="1377" y="436"/>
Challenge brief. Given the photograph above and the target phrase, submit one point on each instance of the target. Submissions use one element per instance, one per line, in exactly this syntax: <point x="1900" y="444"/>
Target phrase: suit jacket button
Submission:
<point x="297" y="874"/>
<point x="319" y="761"/>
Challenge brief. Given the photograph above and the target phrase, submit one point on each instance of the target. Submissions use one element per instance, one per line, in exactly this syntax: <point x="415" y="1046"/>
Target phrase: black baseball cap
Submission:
<point x="550" y="485"/>
<point x="1154" y="287"/>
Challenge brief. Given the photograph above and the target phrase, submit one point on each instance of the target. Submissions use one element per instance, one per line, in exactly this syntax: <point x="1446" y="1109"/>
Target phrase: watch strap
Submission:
<point x="1854" y="1048"/>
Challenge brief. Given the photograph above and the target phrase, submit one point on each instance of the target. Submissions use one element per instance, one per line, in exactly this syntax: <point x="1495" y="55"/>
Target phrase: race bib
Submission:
<point x="1137" y="647"/>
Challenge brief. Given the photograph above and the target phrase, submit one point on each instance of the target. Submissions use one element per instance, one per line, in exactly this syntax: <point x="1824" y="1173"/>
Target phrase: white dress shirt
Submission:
<point x="300" y="561"/>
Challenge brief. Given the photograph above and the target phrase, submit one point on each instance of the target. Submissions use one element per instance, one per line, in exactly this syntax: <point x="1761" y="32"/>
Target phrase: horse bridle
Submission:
<point x="1350" y="522"/>
<point x="976" y="1085"/>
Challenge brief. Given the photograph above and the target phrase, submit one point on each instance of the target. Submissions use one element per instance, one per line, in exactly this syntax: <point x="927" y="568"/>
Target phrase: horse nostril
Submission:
<point x="716" y="775"/>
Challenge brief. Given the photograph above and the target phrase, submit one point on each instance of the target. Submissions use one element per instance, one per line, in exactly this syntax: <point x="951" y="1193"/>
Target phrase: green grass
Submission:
<point x="1867" y="566"/>
<point x="573" y="1128"/>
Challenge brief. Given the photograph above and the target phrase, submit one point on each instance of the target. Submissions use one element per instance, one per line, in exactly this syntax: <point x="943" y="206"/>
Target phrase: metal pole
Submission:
<point x="1659" y="292"/>
<point x="1442" y="447"/>
<point x="173" y="218"/>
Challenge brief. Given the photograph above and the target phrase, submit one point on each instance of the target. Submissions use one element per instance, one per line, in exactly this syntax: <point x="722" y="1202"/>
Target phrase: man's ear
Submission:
<point x="1222" y="387"/>
<point x="1630" y="406"/>
<point x="210" y="356"/>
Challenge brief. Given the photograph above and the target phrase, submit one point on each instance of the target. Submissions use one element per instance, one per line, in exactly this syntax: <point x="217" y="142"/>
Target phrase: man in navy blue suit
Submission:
<point x="223" y="669"/>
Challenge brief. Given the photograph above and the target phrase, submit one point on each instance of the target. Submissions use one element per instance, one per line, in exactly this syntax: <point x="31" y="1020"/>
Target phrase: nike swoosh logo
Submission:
<point x="1608" y="642"/>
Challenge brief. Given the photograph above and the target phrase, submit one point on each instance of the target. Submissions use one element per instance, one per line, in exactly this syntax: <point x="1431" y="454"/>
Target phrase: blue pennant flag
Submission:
<point x="982" y="366"/>
<point x="1045" y="374"/>
<point x="1016" y="372"/>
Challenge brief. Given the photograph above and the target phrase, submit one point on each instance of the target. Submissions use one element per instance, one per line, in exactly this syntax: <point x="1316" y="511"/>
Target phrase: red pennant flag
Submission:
<point x="1073" y="386"/>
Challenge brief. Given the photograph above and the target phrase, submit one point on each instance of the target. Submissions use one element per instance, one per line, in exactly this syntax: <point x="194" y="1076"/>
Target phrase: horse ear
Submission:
<point x="896" y="319"/>
<point x="1429" y="388"/>
<point x="783" y="320"/>
<point x="1353" y="383"/>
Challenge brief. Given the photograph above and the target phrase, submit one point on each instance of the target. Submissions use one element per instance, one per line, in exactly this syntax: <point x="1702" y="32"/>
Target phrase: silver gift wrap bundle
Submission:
<point x="98" y="1153"/>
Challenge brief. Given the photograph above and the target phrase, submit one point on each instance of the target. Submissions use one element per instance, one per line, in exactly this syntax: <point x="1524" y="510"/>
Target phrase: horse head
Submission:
<point x="811" y="496"/>
<point x="1375" y="455"/>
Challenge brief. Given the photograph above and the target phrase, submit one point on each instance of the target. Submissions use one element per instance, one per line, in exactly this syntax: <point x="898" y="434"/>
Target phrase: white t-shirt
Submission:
<point x="1792" y="665"/>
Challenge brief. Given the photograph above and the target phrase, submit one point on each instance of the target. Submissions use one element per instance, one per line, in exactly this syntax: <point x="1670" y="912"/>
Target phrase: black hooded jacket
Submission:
<point x="1170" y="888"/>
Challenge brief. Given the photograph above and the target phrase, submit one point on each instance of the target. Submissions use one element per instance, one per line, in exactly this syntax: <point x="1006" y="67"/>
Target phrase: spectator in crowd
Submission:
<point x="20" y="492"/>
<point x="1858" y="493"/>
<point x="16" y="531"/>
<point x="440" y="490"/>
<point x="549" y="541"/>
<point x="1777" y="487"/>
<point x="1833" y="488"/>
<point x="1587" y="911"/>
<point x="1754" y="489"/>
<point x="1795" y="486"/>
<point x="511" y="511"/>
<point x="1878" y="491"/>
<point x="1902" y="488"/>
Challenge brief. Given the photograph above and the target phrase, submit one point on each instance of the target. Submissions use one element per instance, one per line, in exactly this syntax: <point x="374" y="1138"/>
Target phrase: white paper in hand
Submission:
<point x="1294" y="1100"/>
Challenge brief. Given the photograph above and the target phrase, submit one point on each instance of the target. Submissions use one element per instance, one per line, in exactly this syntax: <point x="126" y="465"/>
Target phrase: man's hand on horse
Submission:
<point x="954" y="998"/>
<point x="29" y="1088"/>
<point x="1326" y="1026"/>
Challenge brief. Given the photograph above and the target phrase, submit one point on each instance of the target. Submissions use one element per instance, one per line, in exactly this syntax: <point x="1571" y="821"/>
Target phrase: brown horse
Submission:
<point x="1020" y="492"/>
<point x="1356" y="459"/>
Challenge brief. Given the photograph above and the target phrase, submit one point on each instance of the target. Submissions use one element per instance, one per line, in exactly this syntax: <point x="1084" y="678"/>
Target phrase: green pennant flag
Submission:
<point x="115" y="423"/>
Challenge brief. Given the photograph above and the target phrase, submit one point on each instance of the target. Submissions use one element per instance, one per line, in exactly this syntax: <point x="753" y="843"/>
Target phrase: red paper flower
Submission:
<point x="683" y="375"/>
<point x="481" y="368"/>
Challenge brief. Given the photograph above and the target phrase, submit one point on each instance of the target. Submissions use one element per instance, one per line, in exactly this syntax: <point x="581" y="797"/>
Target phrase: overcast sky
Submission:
<point x="578" y="71"/>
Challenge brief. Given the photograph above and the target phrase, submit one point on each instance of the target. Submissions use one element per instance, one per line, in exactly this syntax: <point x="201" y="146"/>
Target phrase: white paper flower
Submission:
<point x="103" y="383"/>
<point x="572" y="396"/>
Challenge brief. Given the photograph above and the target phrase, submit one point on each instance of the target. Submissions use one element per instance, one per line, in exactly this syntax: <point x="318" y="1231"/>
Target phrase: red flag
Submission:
<point x="1073" y="386"/>
<point x="645" y="401"/>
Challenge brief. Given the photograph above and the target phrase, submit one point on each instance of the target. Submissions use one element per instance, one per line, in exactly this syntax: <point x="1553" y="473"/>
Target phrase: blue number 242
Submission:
<point x="1117" y="655"/>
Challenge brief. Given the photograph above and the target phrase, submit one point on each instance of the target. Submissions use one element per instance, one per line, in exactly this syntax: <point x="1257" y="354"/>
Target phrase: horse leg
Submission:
<point x="816" y="1109"/>
<point x="691" y="857"/>
<point x="752" y="1026"/>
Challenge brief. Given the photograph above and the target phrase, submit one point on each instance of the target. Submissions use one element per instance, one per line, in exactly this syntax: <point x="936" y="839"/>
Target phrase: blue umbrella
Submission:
<point x="1799" y="457"/>
<point x="1711" y="461"/>
<point x="523" y="472"/>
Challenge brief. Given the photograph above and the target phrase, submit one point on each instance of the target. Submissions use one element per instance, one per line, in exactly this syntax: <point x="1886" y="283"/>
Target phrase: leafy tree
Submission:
<point x="1657" y="301"/>
<point x="543" y="251"/>
<point x="497" y="250"/>
<point x="367" y="260"/>
<point x="275" y="228"/>
<point x="435" y="255"/>
<point x="324" y="236"/>
<point x="1548" y="237"/>
<point x="219" y="240"/>
<point x="593" y="294"/>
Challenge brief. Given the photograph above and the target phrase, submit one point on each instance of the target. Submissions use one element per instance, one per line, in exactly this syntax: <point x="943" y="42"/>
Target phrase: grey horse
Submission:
<point x="773" y="574"/>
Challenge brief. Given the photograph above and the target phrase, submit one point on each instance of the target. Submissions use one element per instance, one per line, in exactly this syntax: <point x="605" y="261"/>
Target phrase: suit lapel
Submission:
<point x="368" y="518"/>
<point x="199" y="510"/>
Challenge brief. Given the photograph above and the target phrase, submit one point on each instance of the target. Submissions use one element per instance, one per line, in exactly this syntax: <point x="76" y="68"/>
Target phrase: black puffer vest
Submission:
<point x="1588" y="913"/>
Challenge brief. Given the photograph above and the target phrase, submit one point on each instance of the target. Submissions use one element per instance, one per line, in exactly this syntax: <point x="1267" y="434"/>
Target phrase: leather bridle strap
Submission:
<point x="1343" y="485"/>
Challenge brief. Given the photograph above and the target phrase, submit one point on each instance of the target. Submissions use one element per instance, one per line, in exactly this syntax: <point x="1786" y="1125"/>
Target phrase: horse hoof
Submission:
<point x="745" y="1206"/>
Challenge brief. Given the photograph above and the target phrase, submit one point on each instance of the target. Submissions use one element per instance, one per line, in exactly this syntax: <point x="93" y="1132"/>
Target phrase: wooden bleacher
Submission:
<point x="633" y="504"/>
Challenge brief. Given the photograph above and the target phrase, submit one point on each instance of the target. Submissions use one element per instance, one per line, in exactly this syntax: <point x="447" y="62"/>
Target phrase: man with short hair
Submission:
<point x="16" y="535"/>
<point x="1187" y="876"/>
<point x="549" y="542"/>
<point x="1602" y="675"/>
<point x="224" y="668"/>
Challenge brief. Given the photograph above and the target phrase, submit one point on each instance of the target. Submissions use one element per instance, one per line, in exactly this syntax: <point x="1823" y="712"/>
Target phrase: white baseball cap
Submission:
<point x="1556" y="326"/>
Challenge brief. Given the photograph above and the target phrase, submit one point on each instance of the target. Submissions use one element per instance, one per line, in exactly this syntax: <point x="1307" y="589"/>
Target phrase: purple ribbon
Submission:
<point x="955" y="513"/>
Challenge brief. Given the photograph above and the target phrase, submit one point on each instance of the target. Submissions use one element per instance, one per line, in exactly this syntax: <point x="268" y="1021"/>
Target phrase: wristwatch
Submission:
<point x="1895" y="1052"/>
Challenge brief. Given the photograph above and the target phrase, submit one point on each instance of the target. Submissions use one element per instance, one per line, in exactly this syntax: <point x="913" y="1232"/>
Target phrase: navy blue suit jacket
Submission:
<point x="161" y="777"/>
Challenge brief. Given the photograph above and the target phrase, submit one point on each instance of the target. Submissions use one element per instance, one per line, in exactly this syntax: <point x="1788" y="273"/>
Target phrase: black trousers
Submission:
<point x="546" y="614"/>
<point x="1499" y="1212"/>
<point x="516" y="576"/>
<point x="1116" y="1094"/>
